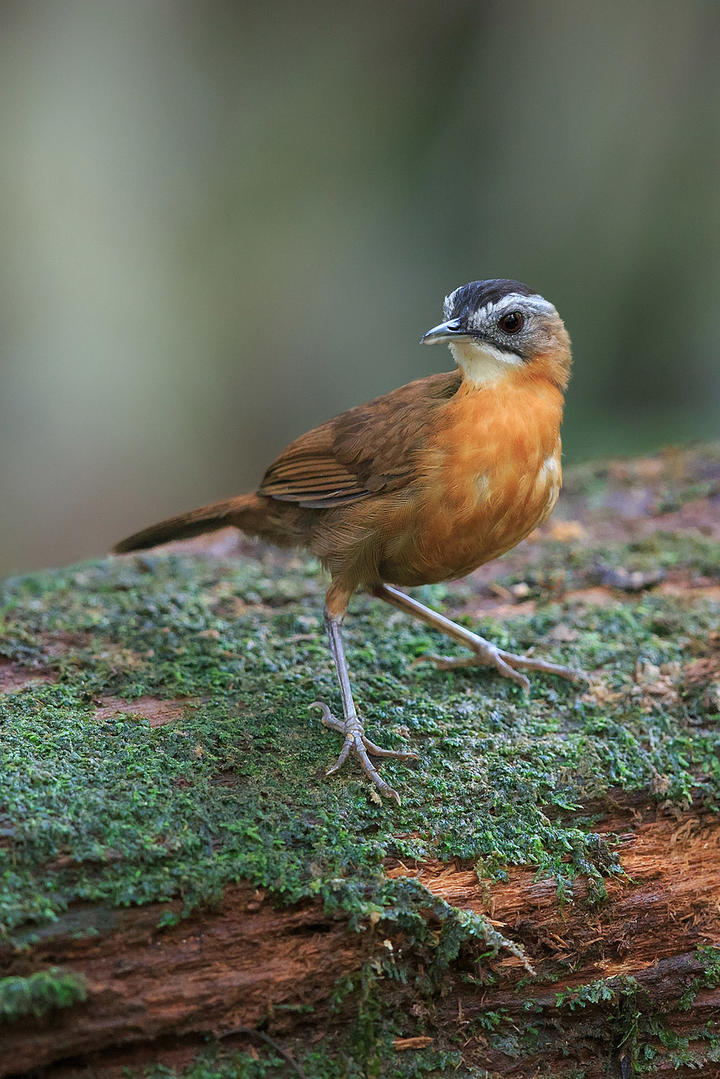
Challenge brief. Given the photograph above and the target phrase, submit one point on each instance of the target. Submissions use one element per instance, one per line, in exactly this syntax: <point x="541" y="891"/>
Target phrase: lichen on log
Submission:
<point x="545" y="900"/>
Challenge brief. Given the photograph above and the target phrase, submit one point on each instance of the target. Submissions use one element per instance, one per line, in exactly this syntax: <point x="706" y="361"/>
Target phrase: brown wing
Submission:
<point x="364" y="451"/>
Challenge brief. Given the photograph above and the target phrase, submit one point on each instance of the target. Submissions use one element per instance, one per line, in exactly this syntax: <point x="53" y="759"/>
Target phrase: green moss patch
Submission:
<point x="105" y="808"/>
<point x="264" y="1063"/>
<point x="42" y="992"/>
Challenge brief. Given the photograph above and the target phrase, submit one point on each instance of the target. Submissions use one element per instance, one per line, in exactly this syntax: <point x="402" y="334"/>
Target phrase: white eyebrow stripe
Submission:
<point x="513" y="299"/>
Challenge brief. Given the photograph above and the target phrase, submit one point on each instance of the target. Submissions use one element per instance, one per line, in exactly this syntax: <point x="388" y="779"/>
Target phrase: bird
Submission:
<point x="421" y="485"/>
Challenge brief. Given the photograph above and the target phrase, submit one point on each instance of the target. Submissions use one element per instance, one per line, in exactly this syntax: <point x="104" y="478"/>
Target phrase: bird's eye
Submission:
<point x="512" y="322"/>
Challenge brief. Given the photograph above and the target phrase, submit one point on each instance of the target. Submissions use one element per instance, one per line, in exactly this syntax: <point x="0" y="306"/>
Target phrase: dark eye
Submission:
<point x="512" y="322"/>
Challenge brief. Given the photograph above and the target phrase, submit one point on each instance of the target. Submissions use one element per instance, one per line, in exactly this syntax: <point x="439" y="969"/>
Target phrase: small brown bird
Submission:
<point x="421" y="485"/>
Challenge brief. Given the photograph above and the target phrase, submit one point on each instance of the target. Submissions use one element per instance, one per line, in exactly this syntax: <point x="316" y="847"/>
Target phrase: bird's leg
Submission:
<point x="356" y="741"/>
<point x="484" y="652"/>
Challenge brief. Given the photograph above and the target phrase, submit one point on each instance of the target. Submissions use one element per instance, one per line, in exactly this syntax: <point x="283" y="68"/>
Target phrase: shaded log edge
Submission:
<point x="248" y="964"/>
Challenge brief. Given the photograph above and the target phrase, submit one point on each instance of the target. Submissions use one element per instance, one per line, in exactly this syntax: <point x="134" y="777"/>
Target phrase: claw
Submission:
<point x="357" y="742"/>
<point x="327" y="718"/>
<point x="341" y="759"/>
<point x="531" y="664"/>
<point x="505" y="663"/>
<point x="378" y="751"/>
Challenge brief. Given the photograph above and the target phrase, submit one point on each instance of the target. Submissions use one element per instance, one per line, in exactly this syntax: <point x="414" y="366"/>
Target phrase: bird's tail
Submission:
<point x="246" y="512"/>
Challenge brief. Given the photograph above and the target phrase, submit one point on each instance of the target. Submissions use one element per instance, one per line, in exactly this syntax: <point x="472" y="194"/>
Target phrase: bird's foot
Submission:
<point x="356" y="741"/>
<point x="509" y="665"/>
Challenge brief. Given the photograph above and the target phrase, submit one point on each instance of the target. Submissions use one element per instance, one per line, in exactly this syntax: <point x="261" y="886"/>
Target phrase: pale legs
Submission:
<point x="484" y="652"/>
<point x="351" y="726"/>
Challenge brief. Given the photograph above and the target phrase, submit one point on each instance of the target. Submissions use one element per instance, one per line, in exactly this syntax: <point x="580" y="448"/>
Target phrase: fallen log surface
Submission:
<point x="181" y="887"/>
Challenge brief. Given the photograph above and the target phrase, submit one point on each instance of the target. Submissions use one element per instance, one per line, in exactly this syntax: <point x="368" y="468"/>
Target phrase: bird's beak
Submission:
<point x="446" y="331"/>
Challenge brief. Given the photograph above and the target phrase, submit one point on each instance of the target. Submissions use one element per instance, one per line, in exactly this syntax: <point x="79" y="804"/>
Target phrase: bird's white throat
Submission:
<point x="481" y="363"/>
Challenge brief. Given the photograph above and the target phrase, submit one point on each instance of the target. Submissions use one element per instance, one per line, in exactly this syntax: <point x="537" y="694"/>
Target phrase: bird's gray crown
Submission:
<point x="468" y="299"/>
<point x="478" y="305"/>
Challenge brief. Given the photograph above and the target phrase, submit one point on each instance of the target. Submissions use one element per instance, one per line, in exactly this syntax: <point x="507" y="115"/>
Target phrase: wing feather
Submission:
<point x="364" y="451"/>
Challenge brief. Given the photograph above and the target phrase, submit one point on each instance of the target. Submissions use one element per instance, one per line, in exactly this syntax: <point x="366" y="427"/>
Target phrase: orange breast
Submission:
<point x="490" y="476"/>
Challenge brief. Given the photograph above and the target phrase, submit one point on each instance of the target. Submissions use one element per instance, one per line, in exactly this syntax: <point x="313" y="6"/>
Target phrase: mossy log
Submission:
<point x="182" y="889"/>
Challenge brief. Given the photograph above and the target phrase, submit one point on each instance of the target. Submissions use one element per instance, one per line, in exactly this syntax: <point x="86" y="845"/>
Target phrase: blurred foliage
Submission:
<point x="223" y="222"/>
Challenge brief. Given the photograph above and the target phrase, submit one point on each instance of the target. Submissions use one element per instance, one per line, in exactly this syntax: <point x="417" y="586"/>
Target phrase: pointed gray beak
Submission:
<point x="447" y="332"/>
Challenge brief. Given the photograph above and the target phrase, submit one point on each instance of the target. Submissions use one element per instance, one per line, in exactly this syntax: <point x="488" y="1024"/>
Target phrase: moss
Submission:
<point x="579" y="564"/>
<point x="220" y="1063"/>
<point x="42" y="992"/>
<point x="638" y="1028"/>
<point x="709" y="959"/>
<point x="584" y="996"/>
<point x="661" y="1048"/>
<point x="112" y="811"/>
<point x="106" y="810"/>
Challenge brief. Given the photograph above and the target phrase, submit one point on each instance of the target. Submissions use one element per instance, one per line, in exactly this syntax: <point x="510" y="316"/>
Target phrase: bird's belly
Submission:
<point x="466" y="520"/>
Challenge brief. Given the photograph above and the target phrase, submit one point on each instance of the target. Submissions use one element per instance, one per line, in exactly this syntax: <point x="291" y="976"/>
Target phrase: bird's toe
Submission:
<point x="357" y="743"/>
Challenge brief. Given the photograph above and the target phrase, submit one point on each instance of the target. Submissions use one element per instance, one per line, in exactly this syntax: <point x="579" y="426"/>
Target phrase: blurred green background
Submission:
<point x="224" y="222"/>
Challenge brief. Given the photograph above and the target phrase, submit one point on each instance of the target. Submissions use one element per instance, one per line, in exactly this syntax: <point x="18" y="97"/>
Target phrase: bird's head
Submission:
<point x="501" y="326"/>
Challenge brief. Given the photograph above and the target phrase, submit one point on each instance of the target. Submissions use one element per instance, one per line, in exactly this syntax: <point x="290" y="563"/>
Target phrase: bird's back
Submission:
<point x="465" y="477"/>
